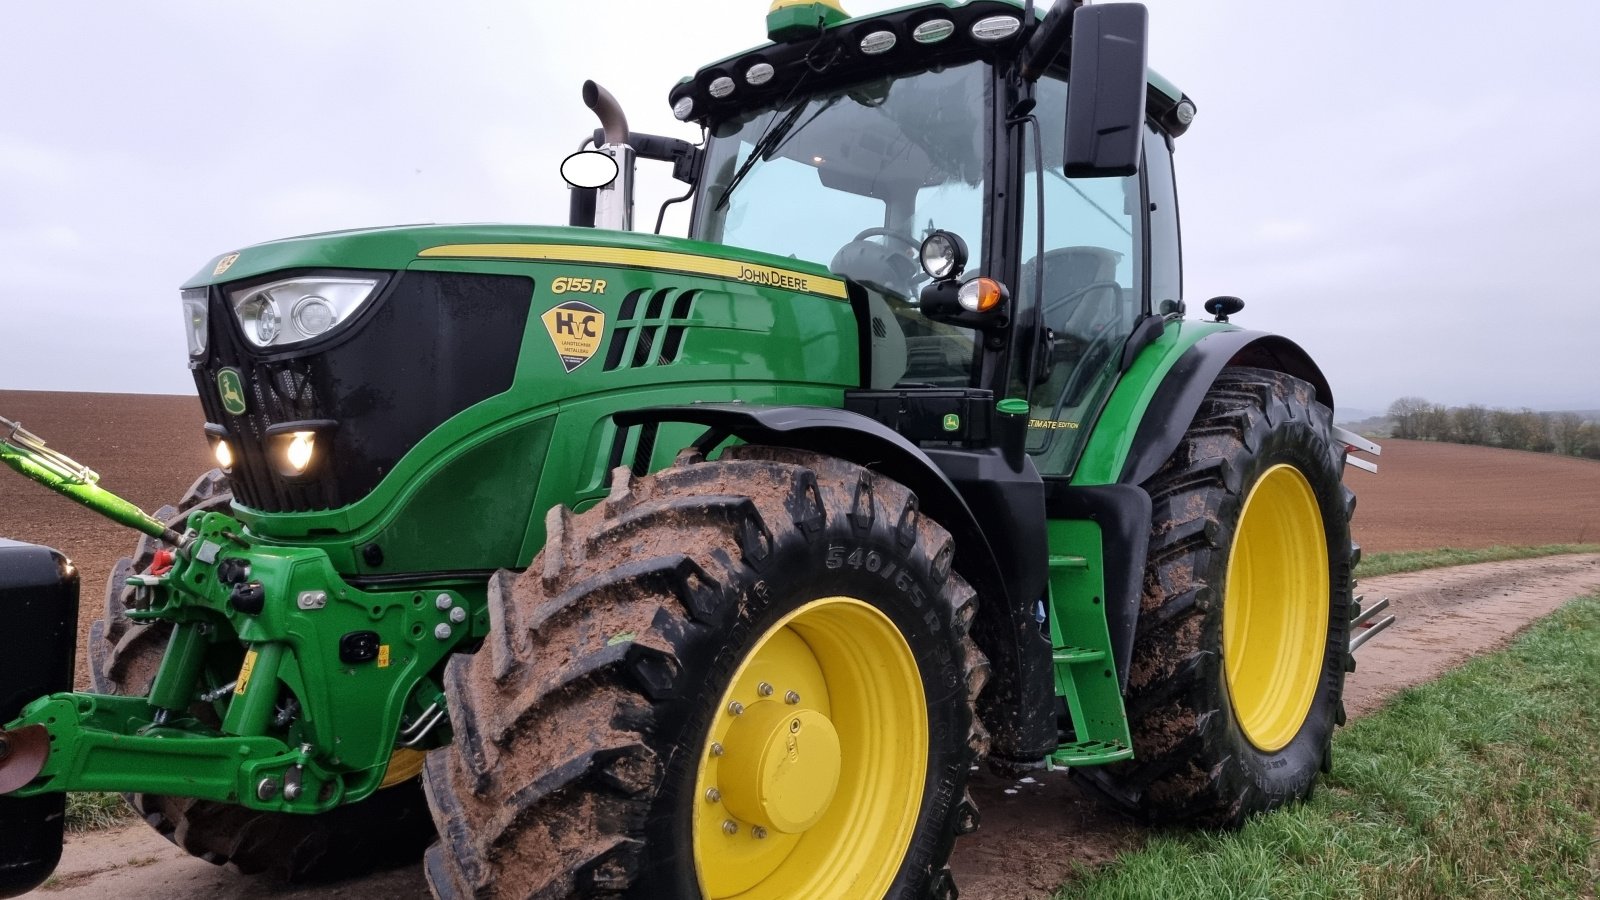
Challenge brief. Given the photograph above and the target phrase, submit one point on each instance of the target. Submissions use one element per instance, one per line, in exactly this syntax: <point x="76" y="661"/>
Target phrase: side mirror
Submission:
<point x="1106" y="90"/>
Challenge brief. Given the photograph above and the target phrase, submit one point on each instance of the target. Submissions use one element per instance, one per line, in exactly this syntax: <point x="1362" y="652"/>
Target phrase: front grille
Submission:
<point x="653" y="336"/>
<point x="432" y="345"/>
<point x="280" y="391"/>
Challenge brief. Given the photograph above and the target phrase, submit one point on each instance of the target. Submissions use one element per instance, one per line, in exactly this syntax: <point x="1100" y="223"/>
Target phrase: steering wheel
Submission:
<point x="887" y="233"/>
<point x="873" y="263"/>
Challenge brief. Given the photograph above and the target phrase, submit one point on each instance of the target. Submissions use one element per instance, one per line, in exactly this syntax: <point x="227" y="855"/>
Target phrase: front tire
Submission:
<point x="1239" y="659"/>
<point x="744" y="678"/>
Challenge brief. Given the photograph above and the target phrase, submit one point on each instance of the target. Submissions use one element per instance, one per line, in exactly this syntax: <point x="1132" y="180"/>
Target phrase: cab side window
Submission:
<point x="1166" y="269"/>
<point x="1093" y="277"/>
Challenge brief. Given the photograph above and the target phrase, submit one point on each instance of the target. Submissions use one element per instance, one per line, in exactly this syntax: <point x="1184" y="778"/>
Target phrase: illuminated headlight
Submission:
<point x="195" y="314"/>
<point x="721" y="86"/>
<point x="297" y="309"/>
<point x="683" y="109"/>
<point x="221" y="448"/>
<point x="996" y="28"/>
<point x="302" y="444"/>
<point x="296" y="448"/>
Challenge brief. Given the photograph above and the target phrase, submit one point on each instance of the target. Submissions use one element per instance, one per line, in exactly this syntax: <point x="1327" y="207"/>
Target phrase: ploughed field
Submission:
<point x="150" y="448"/>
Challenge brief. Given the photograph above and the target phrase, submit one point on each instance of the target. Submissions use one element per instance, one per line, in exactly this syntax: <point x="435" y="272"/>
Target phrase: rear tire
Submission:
<point x="606" y="736"/>
<point x="390" y="828"/>
<point x="1232" y="712"/>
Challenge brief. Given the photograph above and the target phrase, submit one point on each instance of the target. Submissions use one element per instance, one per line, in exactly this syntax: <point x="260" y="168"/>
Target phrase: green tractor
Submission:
<point x="594" y="563"/>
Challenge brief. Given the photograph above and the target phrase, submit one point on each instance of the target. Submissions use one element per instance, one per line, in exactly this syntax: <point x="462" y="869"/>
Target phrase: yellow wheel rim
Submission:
<point x="811" y="777"/>
<point x="404" y="765"/>
<point x="1275" y="608"/>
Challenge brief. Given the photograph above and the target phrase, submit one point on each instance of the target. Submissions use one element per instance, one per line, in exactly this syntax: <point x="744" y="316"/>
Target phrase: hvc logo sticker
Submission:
<point x="575" y="327"/>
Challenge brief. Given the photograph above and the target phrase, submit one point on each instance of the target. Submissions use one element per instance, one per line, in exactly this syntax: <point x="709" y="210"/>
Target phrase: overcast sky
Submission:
<point x="1410" y="190"/>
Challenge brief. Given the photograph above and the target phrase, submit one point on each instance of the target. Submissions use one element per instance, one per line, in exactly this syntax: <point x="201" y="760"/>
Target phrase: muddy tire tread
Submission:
<point x="558" y="718"/>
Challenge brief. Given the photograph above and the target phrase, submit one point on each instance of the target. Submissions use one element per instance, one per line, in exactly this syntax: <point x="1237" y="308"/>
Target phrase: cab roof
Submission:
<point x="815" y="44"/>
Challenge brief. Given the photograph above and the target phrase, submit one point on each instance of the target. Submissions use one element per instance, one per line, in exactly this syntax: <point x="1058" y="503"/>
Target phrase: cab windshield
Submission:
<point x="854" y="179"/>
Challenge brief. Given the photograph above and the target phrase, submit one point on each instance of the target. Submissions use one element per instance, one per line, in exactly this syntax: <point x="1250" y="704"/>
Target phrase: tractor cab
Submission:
<point x="851" y="142"/>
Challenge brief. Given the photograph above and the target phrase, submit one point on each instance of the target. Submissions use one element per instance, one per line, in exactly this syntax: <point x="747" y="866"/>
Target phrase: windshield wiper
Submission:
<point x="763" y="146"/>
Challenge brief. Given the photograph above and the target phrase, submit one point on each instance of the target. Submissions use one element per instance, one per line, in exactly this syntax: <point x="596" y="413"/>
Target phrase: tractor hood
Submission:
<point x="397" y="248"/>
<point x="357" y="385"/>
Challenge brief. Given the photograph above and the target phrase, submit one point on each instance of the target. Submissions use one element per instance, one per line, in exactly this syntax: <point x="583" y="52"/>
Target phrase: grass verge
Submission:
<point x="1481" y="784"/>
<point x="90" y="812"/>
<point x="1374" y="564"/>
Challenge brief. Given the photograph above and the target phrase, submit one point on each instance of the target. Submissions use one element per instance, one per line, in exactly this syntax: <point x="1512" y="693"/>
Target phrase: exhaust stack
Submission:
<point x="613" y="206"/>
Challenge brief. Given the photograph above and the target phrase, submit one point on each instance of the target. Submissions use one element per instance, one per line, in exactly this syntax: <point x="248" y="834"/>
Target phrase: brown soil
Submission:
<point x="147" y="448"/>
<point x="1429" y="495"/>
<point x="150" y="448"/>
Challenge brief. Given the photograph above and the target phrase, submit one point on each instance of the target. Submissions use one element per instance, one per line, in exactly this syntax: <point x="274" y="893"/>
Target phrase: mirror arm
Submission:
<point x="1046" y="42"/>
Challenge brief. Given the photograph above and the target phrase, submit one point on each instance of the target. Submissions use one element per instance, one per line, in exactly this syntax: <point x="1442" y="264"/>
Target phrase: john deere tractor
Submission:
<point x="711" y="567"/>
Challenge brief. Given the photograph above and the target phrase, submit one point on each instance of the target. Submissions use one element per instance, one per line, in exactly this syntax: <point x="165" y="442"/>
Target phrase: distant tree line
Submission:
<point x="1515" y="429"/>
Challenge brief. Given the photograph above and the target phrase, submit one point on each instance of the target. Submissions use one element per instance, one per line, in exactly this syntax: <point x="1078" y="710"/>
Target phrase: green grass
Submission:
<point x="90" y="812"/>
<point x="1481" y="784"/>
<point x="1374" y="564"/>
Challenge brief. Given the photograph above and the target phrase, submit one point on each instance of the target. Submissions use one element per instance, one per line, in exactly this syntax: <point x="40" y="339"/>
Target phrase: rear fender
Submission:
<point x="1184" y="385"/>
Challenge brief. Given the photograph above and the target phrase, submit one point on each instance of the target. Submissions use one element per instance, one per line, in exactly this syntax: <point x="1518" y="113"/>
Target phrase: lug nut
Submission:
<point x="442" y="631"/>
<point x="758" y="832"/>
<point x="713" y="795"/>
<point x="716" y="749"/>
<point x="736" y="708"/>
<point x="729" y="826"/>
<point x="458" y="615"/>
<point x="791" y="698"/>
<point x="764" y="689"/>
<point x="443" y="601"/>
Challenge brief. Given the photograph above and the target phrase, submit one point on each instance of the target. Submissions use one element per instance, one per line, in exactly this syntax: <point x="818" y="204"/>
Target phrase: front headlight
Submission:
<point x="298" y="309"/>
<point x="195" y="314"/>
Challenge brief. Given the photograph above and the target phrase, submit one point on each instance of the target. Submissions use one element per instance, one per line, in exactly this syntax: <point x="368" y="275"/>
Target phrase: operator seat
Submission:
<point x="1081" y="299"/>
<point x="1068" y="273"/>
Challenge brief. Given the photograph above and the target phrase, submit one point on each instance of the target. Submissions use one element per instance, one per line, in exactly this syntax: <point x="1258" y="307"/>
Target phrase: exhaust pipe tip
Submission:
<point x="606" y="107"/>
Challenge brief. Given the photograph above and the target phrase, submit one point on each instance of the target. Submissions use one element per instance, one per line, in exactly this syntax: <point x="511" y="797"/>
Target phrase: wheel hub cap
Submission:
<point x="781" y="768"/>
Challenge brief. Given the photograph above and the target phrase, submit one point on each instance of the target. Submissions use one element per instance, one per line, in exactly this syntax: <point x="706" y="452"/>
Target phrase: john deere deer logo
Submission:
<point x="230" y="387"/>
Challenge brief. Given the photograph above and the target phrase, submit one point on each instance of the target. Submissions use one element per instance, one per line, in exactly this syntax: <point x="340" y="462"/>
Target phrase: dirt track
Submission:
<point x="1032" y="832"/>
<point x="151" y="448"/>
